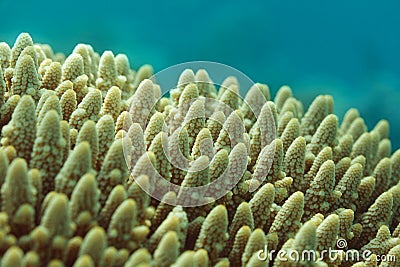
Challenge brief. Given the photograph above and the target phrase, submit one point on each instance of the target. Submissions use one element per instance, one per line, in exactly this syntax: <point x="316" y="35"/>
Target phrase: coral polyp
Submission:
<point x="86" y="142"/>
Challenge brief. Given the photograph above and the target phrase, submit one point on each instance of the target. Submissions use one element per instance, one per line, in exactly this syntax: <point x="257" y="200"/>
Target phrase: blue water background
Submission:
<point x="349" y="49"/>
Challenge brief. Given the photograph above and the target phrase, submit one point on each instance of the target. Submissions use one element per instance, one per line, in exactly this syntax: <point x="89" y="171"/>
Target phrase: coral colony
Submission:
<point x="74" y="194"/>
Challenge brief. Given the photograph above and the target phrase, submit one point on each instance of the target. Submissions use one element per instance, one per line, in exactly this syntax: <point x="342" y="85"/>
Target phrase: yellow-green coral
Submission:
<point x="213" y="233"/>
<point x="48" y="148"/>
<point x="86" y="139"/>
<point x="20" y="132"/>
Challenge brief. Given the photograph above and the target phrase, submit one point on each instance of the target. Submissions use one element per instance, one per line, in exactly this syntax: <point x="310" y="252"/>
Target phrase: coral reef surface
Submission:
<point x="85" y="140"/>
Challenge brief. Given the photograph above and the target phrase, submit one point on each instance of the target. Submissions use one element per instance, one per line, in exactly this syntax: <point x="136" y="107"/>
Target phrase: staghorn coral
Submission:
<point x="213" y="233"/>
<point x="86" y="139"/>
<point x="47" y="154"/>
<point x="20" y="132"/>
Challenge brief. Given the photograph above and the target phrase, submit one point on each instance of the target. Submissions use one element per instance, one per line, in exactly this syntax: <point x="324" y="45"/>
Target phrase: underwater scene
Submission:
<point x="199" y="133"/>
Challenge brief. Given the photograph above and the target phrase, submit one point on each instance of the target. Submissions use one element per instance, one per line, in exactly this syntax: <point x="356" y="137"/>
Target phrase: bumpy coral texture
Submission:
<point x="84" y="136"/>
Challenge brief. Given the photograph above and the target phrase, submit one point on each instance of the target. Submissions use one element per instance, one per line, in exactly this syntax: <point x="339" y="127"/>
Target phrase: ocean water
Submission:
<point x="349" y="49"/>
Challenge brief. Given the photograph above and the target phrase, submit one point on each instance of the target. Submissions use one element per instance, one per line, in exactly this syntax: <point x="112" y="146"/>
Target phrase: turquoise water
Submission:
<point x="349" y="49"/>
